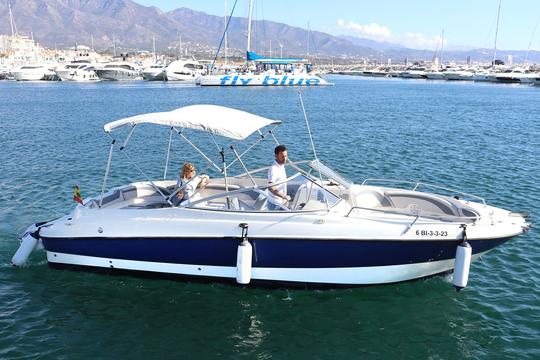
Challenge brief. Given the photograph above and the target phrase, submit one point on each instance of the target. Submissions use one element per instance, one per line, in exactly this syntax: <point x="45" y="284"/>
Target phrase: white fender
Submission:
<point x="28" y="244"/>
<point x="243" y="263"/>
<point x="462" y="265"/>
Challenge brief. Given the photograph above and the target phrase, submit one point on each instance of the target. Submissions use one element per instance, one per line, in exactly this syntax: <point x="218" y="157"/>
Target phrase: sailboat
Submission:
<point x="267" y="71"/>
<point x="491" y="73"/>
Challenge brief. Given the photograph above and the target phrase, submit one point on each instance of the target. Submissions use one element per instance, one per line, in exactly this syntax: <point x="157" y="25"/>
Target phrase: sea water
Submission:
<point x="483" y="139"/>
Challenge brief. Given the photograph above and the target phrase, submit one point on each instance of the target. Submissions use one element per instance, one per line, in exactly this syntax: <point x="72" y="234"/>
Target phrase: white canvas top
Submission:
<point x="219" y="120"/>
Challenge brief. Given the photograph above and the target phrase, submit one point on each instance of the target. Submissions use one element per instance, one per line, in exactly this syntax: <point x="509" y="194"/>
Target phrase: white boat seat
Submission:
<point x="371" y="198"/>
<point x="425" y="203"/>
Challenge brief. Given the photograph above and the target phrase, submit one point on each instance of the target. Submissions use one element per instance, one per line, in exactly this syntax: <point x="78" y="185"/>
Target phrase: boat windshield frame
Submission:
<point x="333" y="198"/>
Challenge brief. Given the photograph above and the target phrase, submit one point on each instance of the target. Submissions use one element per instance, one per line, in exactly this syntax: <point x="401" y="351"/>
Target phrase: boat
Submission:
<point x="119" y="71"/>
<point x="378" y="72"/>
<point x="510" y="76"/>
<point x="33" y="72"/>
<point x="332" y="233"/>
<point x="184" y="70"/>
<point x="78" y="70"/>
<point x="266" y="71"/>
<point x="352" y="72"/>
<point x="458" y="74"/>
<point x="414" y="73"/>
<point x="527" y="78"/>
<point x="482" y="75"/>
<point x="435" y="74"/>
<point x="155" y="72"/>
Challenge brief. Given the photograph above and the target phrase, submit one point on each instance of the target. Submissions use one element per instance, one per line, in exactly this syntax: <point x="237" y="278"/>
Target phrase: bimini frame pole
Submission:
<point x="243" y="165"/>
<point x="109" y="159"/>
<point x="222" y="153"/>
<point x="261" y="138"/>
<point x="314" y="152"/>
<point x="198" y="150"/>
<point x="109" y="162"/>
<point x="168" y="152"/>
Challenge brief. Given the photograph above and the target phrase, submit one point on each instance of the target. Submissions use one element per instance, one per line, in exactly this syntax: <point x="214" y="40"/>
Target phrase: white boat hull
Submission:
<point x="337" y="276"/>
<point x="118" y="74"/>
<point x="262" y="80"/>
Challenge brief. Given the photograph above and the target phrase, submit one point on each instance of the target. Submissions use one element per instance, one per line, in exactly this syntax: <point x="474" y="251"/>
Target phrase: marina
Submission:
<point x="269" y="181"/>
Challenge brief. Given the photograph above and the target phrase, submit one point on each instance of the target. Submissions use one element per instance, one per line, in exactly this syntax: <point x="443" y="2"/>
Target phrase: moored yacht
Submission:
<point x="435" y="74"/>
<point x="184" y="70"/>
<point x="482" y="75"/>
<point x="458" y="74"/>
<point x="326" y="231"/>
<point x="119" y="71"/>
<point x="80" y="71"/>
<point x="33" y="72"/>
<point x="155" y="72"/>
<point x="413" y="73"/>
<point x="510" y="76"/>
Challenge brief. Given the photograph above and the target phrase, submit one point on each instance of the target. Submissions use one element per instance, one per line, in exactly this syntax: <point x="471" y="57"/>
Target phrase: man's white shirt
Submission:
<point x="277" y="174"/>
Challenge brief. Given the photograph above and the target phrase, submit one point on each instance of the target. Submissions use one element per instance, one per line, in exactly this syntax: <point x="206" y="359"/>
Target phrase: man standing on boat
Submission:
<point x="277" y="195"/>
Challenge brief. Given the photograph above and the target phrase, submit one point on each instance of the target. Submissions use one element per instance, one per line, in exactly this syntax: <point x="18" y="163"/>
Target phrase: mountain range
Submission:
<point x="129" y="25"/>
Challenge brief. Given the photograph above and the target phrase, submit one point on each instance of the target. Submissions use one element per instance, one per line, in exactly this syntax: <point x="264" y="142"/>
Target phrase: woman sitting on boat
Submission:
<point x="188" y="183"/>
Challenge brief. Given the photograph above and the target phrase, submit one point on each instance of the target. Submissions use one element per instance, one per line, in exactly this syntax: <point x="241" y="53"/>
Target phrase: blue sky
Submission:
<point x="413" y="23"/>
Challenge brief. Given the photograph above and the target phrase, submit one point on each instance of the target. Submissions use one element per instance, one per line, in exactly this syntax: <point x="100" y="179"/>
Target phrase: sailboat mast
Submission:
<point x="154" y="48"/>
<point x="249" y="25"/>
<point x="307" y="41"/>
<point x="225" y="33"/>
<point x="11" y="21"/>
<point x="496" y="34"/>
<point x="442" y="46"/>
<point x="180" y="46"/>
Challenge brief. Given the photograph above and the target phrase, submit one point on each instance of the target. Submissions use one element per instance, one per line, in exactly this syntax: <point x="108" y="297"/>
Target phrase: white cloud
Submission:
<point x="378" y="32"/>
<point x="371" y="31"/>
<point x="419" y="41"/>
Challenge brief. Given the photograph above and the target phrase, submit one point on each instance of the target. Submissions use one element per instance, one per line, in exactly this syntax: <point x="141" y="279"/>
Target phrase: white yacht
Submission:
<point x="155" y="72"/>
<point x="458" y="74"/>
<point x="81" y="71"/>
<point x="482" y="74"/>
<point x="329" y="232"/>
<point x="528" y="77"/>
<point x="510" y="76"/>
<point x="184" y="70"/>
<point x="435" y="74"/>
<point x="33" y="72"/>
<point x="414" y="73"/>
<point x="119" y="71"/>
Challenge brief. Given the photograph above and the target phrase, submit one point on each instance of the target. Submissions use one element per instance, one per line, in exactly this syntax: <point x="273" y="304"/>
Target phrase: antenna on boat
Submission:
<point x="313" y="148"/>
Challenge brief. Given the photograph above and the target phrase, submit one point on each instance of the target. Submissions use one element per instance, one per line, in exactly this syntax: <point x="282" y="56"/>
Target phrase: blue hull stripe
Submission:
<point x="275" y="253"/>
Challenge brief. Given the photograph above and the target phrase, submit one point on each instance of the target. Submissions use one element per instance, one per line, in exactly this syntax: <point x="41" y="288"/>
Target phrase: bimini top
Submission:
<point x="219" y="120"/>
